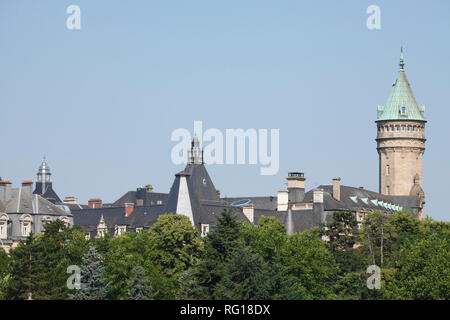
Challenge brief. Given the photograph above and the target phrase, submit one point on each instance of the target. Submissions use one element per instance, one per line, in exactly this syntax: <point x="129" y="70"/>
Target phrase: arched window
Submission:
<point x="388" y="170"/>
<point x="25" y="225"/>
<point x="388" y="190"/>
<point x="4" y="226"/>
<point x="65" y="219"/>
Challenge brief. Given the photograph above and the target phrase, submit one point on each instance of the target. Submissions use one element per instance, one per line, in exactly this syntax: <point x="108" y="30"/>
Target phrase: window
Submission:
<point x="397" y="127"/>
<point x="386" y="128"/>
<point x="159" y="202"/>
<point x="403" y="127"/>
<point x="409" y="128"/>
<point x="139" y="229"/>
<point x="388" y="170"/>
<point x="388" y="190"/>
<point x="25" y="225"/>
<point x="204" y="229"/>
<point x="413" y="128"/>
<point x="120" y="230"/>
<point x="392" y="127"/>
<point x="403" y="111"/>
<point x="4" y="226"/>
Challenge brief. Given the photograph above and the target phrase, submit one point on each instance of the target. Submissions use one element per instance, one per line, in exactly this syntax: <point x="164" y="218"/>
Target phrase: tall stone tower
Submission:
<point x="401" y="142"/>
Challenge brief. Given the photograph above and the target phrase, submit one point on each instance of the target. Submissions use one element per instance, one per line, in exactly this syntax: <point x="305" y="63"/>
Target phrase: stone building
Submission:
<point x="401" y="142"/>
<point x="193" y="194"/>
<point x="22" y="212"/>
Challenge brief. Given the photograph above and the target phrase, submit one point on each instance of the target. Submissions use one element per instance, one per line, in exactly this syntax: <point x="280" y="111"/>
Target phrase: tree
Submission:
<point x="4" y="273"/>
<point x="219" y="246"/>
<point x="93" y="284"/>
<point x="267" y="239"/>
<point x="139" y="286"/>
<point x="244" y="278"/>
<point x="175" y="247"/>
<point x="27" y="271"/>
<point x="342" y="231"/>
<point x="378" y="236"/>
<point x="313" y="266"/>
<point x="423" y="270"/>
<point x="188" y="288"/>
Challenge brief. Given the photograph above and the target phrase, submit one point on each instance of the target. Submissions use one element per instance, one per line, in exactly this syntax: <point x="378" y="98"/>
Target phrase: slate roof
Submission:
<point x="149" y="198"/>
<point x="48" y="193"/>
<point x="268" y="202"/>
<point x="354" y="199"/>
<point x="142" y="216"/>
<point x="22" y="201"/>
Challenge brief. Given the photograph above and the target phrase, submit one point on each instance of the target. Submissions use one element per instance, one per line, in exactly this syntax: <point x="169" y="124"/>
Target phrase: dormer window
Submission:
<point x="403" y="111"/>
<point x="120" y="230"/>
<point x="204" y="229"/>
<point x="4" y="226"/>
<point x="25" y="225"/>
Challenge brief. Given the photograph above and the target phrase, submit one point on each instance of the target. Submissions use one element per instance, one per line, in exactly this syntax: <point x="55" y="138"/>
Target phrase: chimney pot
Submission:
<point x="95" y="203"/>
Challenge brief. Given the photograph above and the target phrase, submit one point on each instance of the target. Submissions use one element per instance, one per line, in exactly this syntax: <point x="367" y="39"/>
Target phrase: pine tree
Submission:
<point x="139" y="287"/>
<point x="245" y="277"/>
<point x="93" y="284"/>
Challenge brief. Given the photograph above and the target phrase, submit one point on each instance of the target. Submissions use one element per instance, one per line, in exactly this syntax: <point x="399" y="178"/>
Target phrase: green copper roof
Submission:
<point x="401" y="104"/>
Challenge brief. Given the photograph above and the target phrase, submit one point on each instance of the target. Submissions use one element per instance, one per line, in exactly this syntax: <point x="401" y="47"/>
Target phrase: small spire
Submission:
<point x="402" y="63"/>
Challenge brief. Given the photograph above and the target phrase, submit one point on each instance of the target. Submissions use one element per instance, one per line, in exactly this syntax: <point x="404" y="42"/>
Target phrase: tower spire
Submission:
<point x="402" y="63"/>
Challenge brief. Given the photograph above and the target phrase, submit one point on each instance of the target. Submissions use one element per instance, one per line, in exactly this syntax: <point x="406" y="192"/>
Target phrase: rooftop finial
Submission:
<point x="402" y="63"/>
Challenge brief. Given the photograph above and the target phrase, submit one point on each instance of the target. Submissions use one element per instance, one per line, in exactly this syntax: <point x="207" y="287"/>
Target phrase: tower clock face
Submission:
<point x="204" y="181"/>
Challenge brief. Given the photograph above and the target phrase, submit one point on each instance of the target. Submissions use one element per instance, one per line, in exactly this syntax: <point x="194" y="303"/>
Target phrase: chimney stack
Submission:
<point x="149" y="188"/>
<point x="95" y="203"/>
<point x="282" y="200"/>
<point x="296" y="187"/>
<point x="318" y="196"/>
<point x="27" y="187"/>
<point x="129" y="208"/>
<point x="70" y="200"/>
<point x="337" y="188"/>
<point x="5" y="191"/>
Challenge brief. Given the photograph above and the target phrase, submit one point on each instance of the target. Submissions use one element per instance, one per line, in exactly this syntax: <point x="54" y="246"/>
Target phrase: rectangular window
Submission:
<point x="388" y="170"/>
<point x="388" y="190"/>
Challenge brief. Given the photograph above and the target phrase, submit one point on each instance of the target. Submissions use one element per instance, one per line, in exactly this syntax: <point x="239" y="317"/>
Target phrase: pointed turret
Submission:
<point x="401" y="141"/>
<point x="44" y="183"/>
<point x="401" y="104"/>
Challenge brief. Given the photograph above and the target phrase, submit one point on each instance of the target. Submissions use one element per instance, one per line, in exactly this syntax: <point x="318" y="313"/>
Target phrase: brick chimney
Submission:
<point x="95" y="203"/>
<point x="337" y="188"/>
<point x="129" y="208"/>
<point x="5" y="191"/>
<point x="27" y="187"/>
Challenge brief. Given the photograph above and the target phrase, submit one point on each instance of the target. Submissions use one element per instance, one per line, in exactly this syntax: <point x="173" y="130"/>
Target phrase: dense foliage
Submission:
<point x="236" y="261"/>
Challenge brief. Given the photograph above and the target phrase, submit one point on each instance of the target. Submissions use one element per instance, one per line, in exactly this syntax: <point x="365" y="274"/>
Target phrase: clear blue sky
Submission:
<point x="102" y="102"/>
